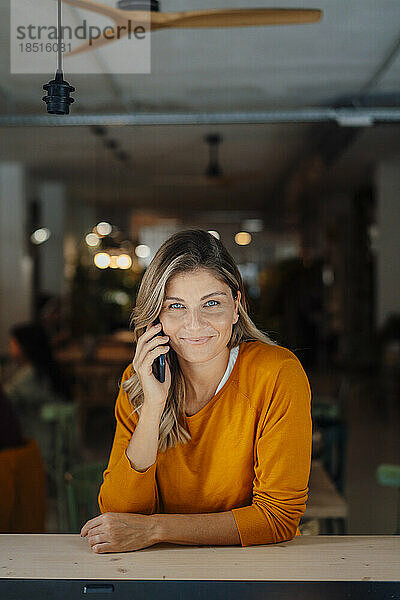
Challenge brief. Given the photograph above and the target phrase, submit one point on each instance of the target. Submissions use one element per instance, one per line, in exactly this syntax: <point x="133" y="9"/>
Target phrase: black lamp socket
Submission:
<point x="58" y="97"/>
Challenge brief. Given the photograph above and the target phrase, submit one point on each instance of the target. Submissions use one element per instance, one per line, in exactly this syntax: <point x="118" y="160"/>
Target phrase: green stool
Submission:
<point x="390" y="475"/>
<point x="62" y="417"/>
<point x="83" y="483"/>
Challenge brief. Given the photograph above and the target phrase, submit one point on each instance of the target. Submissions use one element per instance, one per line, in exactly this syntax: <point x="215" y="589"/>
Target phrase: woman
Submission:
<point x="220" y="452"/>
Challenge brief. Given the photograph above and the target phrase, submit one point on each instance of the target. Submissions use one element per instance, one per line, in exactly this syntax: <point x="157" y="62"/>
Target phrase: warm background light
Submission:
<point x="142" y="251"/>
<point x="242" y="238"/>
<point x="102" y="260"/>
<point x="113" y="262"/>
<point x="104" y="228"/>
<point x="92" y="240"/>
<point x="124" y="261"/>
<point x="40" y="235"/>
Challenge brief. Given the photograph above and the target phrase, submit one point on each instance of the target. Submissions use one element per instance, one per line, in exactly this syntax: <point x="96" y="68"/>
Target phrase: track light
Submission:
<point x="111" y="144"/>
<point x="58" y="98"/>
<point x="122" y="155"/>
<point x="213" y="168"/>
<point x="98" y="130"/>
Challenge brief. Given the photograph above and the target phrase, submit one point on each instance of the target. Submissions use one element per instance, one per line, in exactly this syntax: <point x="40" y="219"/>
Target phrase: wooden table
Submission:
<point x="62" y="566"/>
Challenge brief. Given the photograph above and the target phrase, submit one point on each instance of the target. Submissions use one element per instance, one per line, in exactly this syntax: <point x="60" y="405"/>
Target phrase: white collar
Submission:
<point x="233" y="354"/>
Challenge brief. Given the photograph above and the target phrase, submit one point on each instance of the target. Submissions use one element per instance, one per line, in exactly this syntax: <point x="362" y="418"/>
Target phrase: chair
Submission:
<point x="330" y="395"/>
<point x="389" y="475"/>
<point x="23" y="489"/>
<point x="82" y="484"/>
<point x="333" y="433"/>
<point x="62" y="416"/>
<point x="94" y="385"/>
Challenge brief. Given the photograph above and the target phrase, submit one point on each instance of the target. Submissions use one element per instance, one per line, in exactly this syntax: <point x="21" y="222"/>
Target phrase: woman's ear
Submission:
<point x="237" y="302"/>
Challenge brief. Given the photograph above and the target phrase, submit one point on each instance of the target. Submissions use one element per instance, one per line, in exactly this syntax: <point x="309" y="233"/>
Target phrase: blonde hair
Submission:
<point x="184" y="251"/>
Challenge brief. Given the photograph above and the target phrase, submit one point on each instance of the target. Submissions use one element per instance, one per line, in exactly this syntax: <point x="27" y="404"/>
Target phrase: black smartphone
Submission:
<point x="159" y="362"/>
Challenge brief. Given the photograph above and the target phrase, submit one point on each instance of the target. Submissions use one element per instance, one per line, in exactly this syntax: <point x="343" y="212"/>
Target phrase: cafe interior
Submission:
<point x="277" y="133"/>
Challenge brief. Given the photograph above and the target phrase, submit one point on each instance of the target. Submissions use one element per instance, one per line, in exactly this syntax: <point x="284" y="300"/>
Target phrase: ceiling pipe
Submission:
<point x="342" y="116"/>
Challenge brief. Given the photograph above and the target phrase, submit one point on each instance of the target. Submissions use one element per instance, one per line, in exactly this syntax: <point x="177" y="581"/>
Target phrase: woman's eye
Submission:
<point x="215" y="303"/>
<point x="178" y="305"/>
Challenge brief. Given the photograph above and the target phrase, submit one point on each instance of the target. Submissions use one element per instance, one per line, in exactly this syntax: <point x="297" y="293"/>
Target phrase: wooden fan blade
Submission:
<point x="97" y="43"/>
<point x="96" y="7"/>
<point x="120" y="17"/>
<point x="252" y="17"/>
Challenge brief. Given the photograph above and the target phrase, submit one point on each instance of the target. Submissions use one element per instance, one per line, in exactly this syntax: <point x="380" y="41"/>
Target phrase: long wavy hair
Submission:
<point x="184" y="251"/>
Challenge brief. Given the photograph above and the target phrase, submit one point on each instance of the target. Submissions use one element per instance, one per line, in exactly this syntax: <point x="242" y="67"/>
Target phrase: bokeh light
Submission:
<point x="124" y="261"/>
<point x="40" y="235"/>
<point x="102" y="260"/>
<point x="92" y="240"/>
<point x="243" y="238"/>
<point x="142" y="251"/>
<point x="104" y="228"/>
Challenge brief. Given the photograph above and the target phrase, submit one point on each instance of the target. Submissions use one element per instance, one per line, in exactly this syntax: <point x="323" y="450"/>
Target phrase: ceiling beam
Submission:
<point x="358" y="117"/>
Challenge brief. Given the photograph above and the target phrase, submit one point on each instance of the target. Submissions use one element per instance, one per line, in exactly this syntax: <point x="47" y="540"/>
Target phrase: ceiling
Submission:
<point x="244" y="69"/>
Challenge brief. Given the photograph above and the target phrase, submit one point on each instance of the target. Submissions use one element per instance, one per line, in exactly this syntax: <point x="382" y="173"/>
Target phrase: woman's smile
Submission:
<point x="202" y="340"/>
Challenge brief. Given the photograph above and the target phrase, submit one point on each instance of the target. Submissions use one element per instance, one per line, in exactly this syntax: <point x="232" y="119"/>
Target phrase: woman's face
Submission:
<point x="197" y="314"/>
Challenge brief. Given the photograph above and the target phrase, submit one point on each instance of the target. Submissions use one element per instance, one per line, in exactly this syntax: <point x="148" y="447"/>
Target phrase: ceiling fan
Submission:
<point x="213" y="174"/>
<point x="136" y="11"/>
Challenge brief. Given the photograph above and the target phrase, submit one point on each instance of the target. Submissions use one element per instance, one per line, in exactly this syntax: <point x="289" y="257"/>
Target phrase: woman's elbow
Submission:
<point x="287" y="526"/>
<point x="286" y="533"/>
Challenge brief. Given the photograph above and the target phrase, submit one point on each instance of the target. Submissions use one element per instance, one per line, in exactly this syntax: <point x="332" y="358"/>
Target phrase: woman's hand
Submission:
<point x="148" y="348"/>
<point x="120" y="532"/>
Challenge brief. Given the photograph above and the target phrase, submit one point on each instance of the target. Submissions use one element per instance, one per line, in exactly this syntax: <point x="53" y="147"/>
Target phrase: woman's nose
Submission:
<point x="194" y="319"/>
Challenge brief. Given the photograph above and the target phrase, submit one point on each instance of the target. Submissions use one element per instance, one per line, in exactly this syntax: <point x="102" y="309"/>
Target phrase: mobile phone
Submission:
<point x="159" y="362"/>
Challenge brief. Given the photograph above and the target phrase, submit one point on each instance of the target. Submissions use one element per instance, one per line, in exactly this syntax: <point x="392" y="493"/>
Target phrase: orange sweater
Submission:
<point x="250" y="452"/>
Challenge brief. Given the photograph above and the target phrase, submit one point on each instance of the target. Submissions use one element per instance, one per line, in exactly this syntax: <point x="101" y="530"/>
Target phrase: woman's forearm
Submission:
<point x="143" y="446"/>
<point x="214" y="529"/>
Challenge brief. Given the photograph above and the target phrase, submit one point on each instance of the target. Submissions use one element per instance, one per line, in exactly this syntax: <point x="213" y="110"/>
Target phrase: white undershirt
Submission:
<point x="233" y="354"/>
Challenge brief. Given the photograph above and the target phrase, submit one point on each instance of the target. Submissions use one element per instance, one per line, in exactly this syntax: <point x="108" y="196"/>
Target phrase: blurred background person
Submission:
<point x="35" y="379"/>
